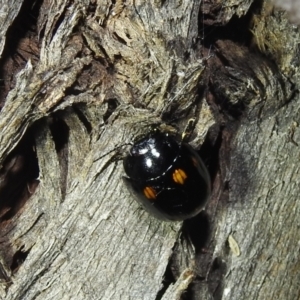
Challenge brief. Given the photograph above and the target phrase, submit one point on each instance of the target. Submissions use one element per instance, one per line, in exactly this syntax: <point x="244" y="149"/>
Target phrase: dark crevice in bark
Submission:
<point x="119" y="39"/>
<point x="91" y="9"/>
<point x="58" y="22"/>
<point x="84" y="120"/>
<point x="18" y="259"/>
<point x="73" y="90"/>
<point x="215" y="278"/>
<point x="214" y="27"/>
<point x="167" y="280"/>
<point x="235" y="61"/>
<point x="197" y="230"/>
<point x="19" y="177"/>
<point x="60" y="133"/>
<point x="112" y="104"/>
<point x="18" y="182"/>
<point x="193" y="291"/>
<point x="211" y="287"/>
<point x="21" y="45"/>
<point x="209" y="151"/>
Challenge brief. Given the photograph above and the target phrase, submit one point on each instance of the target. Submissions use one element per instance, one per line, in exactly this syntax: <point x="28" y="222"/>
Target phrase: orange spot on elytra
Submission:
<point x="179" y="176"/>
<point x="150" y="192"/>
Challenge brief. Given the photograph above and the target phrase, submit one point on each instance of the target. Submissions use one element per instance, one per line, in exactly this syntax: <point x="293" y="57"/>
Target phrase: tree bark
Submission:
<point x="81" y="80"/>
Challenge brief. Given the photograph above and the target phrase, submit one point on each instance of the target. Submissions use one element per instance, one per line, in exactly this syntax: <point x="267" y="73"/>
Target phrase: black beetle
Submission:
<point x="167" y="177"/>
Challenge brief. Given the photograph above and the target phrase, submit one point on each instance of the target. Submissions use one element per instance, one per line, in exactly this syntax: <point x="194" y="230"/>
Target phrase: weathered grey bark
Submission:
<point x="292" y="7"/>
<point x="107" y="70"/>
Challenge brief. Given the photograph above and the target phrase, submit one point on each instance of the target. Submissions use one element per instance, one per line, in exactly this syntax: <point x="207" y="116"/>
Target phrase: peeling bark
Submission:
<point x="80" y="82"/>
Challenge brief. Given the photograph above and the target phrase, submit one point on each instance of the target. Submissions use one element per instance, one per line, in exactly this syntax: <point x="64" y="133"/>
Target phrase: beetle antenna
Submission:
<point x="115" y="149"/>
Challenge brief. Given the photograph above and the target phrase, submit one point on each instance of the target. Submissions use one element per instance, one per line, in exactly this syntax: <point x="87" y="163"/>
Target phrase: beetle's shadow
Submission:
<point x="197" y="231"/>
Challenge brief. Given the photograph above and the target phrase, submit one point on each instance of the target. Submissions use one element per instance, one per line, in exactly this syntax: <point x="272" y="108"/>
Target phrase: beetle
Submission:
<point x="166" y="176"/>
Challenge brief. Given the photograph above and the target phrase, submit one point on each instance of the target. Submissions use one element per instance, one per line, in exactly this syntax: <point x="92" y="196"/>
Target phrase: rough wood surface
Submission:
<point x="292" y="7"/>
<point x="104" y="72"/>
